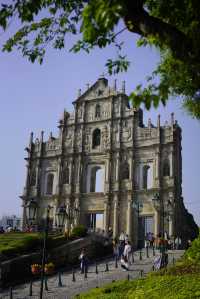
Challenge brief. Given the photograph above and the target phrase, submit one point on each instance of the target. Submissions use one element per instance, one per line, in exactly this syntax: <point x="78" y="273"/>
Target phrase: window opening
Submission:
<point x="66" y="176"/>
<point x="33" y="178"/>
<point x="50" y="179"/>
<point x="166" y="168"/>
<point x="97" y="110"/>
<point x="97" y="180"/>
<point x="125" y="171"/>
<point x="96" y="138"/>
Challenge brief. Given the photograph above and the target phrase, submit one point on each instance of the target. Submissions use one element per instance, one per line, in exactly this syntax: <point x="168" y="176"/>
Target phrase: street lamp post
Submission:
<point x="46" y="229"/>
<point x="31" y="209"/>
<point x="138" y="206"/>
<point x="158" y="200"/>
<point x="60" y="215"/>
<point x="31" y="212"/>
<point x="72" y="214"/>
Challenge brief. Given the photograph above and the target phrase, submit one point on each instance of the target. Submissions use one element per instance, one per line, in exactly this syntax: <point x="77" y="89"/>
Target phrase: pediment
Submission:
<point x="98" y="90"/>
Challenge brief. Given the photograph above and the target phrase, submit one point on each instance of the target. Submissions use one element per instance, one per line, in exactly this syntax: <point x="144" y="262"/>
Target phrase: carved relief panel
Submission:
<point x="69" y="140"/>
<point x="105" y="138"/>
<point x="126" y="130"/>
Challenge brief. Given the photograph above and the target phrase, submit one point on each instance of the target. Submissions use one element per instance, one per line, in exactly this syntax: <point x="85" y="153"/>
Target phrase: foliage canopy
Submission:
<point x="173" y="27"/>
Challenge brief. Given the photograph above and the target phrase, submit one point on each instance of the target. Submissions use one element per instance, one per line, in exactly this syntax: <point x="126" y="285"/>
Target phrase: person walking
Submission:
<point x="115" y="249"/>
<point x="177" y="242"/>
<point x="124" y="263"/>
<point x="84" y="261"/>
<point x="127" y="252"/>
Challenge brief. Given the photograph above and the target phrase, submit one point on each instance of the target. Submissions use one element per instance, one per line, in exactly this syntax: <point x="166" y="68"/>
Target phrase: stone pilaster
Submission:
<point x="129" y="218"/>
<point x="115" y="217"/>
<point x="156" y="222"/>
<point x="106" y="214"/>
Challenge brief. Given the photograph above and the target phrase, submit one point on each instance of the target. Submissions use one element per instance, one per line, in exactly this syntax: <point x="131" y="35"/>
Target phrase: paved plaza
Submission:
<point x="94" y="278"/>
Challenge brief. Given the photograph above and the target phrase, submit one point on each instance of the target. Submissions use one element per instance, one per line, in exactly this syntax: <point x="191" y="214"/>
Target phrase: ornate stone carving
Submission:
<point x="105" y="138"/>
<point x="127" y="134"/>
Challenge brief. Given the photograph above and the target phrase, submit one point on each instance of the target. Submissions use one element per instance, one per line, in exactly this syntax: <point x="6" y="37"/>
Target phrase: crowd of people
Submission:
<point x="123" y="250"/>
<point x="166" y="241"/>
<point x="8" y="229"/>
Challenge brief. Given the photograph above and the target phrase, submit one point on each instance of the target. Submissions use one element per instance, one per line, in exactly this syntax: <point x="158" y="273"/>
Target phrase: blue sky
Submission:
<point x="33" y="97"/>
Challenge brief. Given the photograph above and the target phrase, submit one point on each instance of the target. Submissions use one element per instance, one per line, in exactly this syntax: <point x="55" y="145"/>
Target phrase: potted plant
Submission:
<point x="49" y="268"/>
<point x="36" y="269"/>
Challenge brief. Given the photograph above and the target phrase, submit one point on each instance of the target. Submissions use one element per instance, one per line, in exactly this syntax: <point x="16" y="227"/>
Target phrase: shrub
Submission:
<point x="79" y="231"/>
<point x="193" y="252"/>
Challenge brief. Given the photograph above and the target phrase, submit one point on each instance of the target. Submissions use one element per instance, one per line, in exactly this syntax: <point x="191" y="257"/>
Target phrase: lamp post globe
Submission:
<point x="61" y="215"/>
<point x="31" y="210"/>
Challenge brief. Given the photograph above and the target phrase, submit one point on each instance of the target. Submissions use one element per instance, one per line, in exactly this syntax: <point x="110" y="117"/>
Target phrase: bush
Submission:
<point x="79" y="231"/>
<point x="193" y="252"/>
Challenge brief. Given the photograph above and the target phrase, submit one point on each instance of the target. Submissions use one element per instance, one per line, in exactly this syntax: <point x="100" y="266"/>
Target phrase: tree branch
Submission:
<point x="139" y="21"/>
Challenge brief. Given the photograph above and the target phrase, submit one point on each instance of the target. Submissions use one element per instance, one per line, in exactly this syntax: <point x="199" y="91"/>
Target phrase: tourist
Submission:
<point x="177" y="242"/>
<point x="110" y="232"/>
<point x="2" y="230"/>
<point x="170" y="244"/>
<point x="84" y="261"/>
<point x="157" y="262"/>
<point x="127" y="252"/>
<point x="126" y="238"/>
<point x="151" y="240"/>
<point x="121" y="248"/>
<point x="189" y="243"/>
<point x="115" y="249"/>
<point x="146" y="241"/>
<point x="124" y="263"/>
<point x="122" y="237"/>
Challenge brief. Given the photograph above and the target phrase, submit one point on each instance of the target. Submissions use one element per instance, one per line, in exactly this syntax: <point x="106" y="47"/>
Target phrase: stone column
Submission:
<point x="171" y="163"/>
<point x="58" y="176"/>
<point x="77" y="212"/>
<point x="115" y="217"/>
<point x="106" y="215"/>
<point x="24" y="217"/>
<point x="156" y="223"/>
<point x="129" y="219"/>
<point x="171" y="233"/>
<point x="117" y="169"/>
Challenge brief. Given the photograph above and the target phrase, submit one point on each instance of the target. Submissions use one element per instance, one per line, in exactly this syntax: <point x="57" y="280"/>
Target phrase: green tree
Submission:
<point x="172" y="26"/>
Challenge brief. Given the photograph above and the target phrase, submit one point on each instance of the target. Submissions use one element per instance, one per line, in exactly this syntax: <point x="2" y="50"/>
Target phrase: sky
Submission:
<point x="33" y="97"/>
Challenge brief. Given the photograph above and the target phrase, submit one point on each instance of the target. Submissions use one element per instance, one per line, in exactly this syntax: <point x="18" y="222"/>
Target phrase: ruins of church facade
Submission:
<point x="107" y="168"/>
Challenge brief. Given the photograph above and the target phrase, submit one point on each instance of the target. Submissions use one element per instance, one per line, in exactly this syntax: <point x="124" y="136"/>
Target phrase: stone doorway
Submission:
<point x="145" y="225"/>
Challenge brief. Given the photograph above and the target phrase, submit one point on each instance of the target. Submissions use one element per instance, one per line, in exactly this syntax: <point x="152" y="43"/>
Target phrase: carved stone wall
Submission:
<point x="125" y="149"/>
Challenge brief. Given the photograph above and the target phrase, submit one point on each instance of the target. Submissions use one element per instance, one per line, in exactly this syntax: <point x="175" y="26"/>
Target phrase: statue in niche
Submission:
<point x="105" y="137"/>
<point x="79" y="140"/>
<point x="69" y="139"/>
<point x="87" y="142"/>
<point x="116" y="107"/>
<point x="33" y="178"/>
<point x="80" y="112"/>
<point x="125" y="171"/>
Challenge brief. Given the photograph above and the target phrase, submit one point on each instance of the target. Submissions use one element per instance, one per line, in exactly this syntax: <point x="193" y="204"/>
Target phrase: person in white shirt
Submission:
<point x="122" y="237"/>
<point x="177" y="242"/>
<point x="127" y="252"/>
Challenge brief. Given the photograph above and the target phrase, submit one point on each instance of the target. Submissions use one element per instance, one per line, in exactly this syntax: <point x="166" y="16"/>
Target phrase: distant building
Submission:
<point x="107" y="169"/>
<point x="12" y="221"/>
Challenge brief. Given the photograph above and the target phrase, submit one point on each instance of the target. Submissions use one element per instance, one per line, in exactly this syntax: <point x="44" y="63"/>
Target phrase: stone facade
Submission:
<point x="104" y="138"/>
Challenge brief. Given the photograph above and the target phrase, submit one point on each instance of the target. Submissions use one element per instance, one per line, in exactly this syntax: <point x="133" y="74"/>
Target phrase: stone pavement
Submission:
<point x="82" y="284"/>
